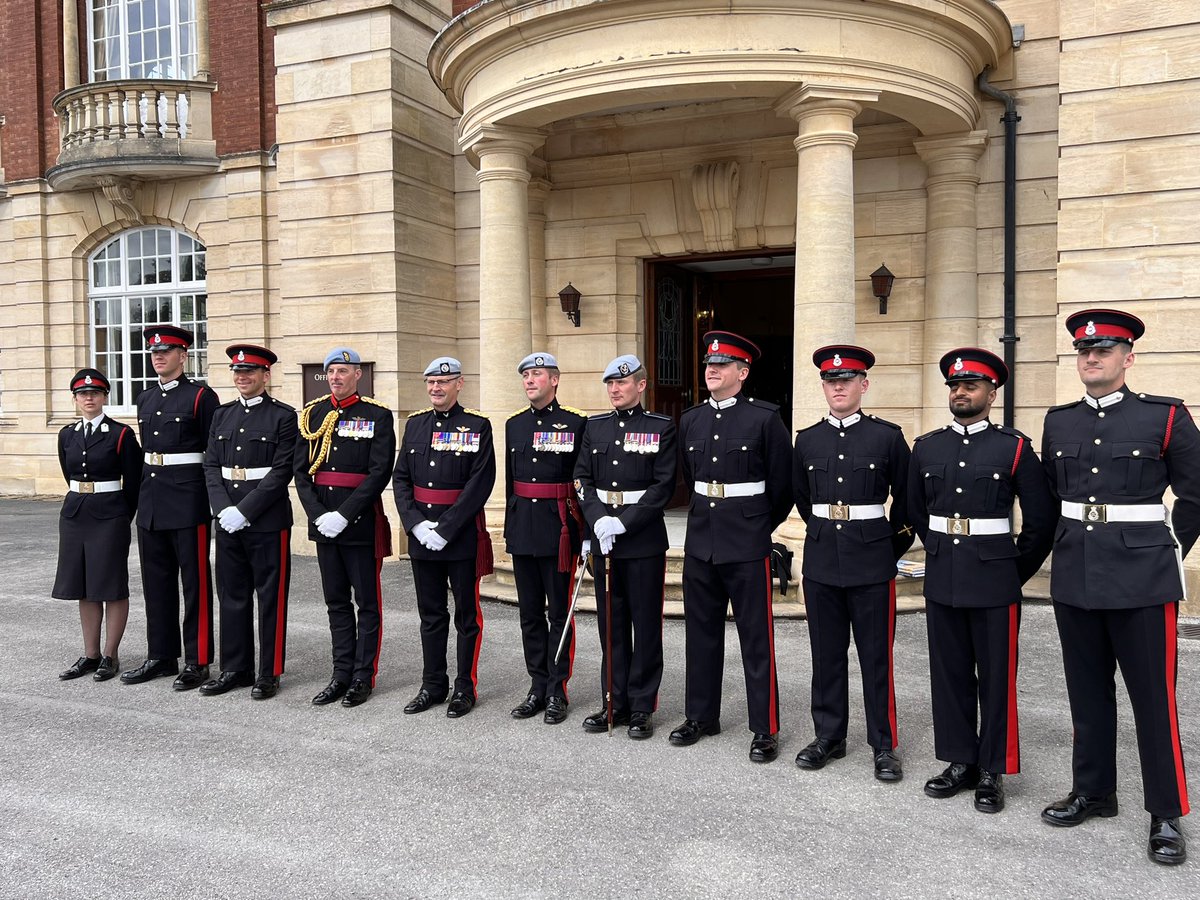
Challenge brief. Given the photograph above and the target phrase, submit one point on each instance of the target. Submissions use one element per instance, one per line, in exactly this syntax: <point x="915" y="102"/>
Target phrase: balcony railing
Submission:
<point x="133" y="129"/>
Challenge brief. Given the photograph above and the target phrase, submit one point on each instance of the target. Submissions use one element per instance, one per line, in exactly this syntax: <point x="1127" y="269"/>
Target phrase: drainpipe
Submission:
<point x="1009" y="337"/>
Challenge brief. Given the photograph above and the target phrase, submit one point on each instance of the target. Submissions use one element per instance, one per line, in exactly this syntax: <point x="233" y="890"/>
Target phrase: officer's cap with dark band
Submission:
<point x="725" y="346"/>
<point x="443" y="365"/>
<point x="250" y="356"/>
<point x="1104" y="328"/>
<point x="343" y="355"/>
<point x="89" y="380"/>
<point x="838" y="361"/>
<point x="167" y="337"/>
<point x="537" y="361"/>
<point x="622" y="367"/>
<point x="973" y="364"/>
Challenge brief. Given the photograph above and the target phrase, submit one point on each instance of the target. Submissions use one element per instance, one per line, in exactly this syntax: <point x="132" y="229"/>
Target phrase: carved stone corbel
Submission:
<point x="714" y="190"/>
<point x="120" y="193"/>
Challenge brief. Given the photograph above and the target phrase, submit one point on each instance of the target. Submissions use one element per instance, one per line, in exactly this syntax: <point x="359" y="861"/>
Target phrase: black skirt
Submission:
<point x="93" y="558"/>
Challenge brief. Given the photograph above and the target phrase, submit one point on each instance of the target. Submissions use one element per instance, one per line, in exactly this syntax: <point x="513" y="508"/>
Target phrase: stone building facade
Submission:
<point x="415" y="179"/>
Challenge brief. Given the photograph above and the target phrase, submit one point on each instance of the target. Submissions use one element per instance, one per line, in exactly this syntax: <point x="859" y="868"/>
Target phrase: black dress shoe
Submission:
<point x="764" y="748"/>
<point x="420" y="703"/>
<point x="691" y="731"/>
<point x="192" y="676"/>
<point x="151" y="668"/>
<point x="640" y="726"/>
<point x="819" y="752"/>
<point x="81" y="667"/>
<point x="598" y="721"/>
<point x="225" y="682"/>
<point x="1075" y="809"/>
<point x="989" y="792"/>
<point x="265" y="687"/>
<point x="556" y="711"/>
<point x="887" y="766"/>
<point x="460" y="704"/>
<point x="357" y="693"/>
<point x="1167" y="844"/>
<point x="333" y="691"/>
<point x="956" y="777"/>
<point x="108" y="668"/>
<point x="529" y="707"/>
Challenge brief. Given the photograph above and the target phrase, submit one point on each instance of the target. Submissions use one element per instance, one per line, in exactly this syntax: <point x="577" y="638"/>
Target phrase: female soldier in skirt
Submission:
<point x="102" y="463"/>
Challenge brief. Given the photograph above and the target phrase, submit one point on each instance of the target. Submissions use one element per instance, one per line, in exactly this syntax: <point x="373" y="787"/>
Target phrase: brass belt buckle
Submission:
<point x="839" y="512"/>
<point x="87" y="487"/>
<point x="156" y="459"/>
<point x="1095" y="512"/>
<point x="238" y="473"/>
<point x="960" y="526"/>
<point x="616" y="498"/>
<point x="714" y="490"/>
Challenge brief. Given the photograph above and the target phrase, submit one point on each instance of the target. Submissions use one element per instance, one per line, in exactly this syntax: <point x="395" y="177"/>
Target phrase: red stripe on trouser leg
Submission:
<point x="203" y="603"/>
<point x="1171" y="652"/>
<point x="379" y="602"/>
<point x="773" y="710"/>
<point x="281" y="602"/>
<point x="478" y="641"/>
<point x="891" y="686"/>
<point x="1012" y="749"/>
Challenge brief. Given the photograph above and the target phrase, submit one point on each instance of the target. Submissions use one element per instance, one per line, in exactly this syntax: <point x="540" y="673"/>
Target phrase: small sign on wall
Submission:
<point x="315" y="385"/>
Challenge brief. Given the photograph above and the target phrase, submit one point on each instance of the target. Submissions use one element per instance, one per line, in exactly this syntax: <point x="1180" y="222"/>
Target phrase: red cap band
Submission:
<point x="242" y="358"/>
<point x="1100" y="329"/>
<point x="845" y="362"/>
<point x="158" y="339"/>
<point x="972" y="367"/>
<point x="719" y="349"/>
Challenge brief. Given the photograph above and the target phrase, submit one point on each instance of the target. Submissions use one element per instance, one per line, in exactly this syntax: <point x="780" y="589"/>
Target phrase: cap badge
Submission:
<point x="837" y="359"/>
<point x="623" y="368"/>
<point x="958" y="364"/>
<point x="346" y="355"/>
<point x="241" y="356"/>
<point x="444" y="367"/>
<point x="539" y="360"/>
<point x="1091" y="328"/>
<point x="157" y="338"/>
<point x="87" y="379"/>
<point x="715" y="345"/>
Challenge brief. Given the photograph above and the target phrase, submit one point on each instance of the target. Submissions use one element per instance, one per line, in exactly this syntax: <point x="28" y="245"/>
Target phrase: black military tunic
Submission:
<point x="174" y="520"/>
<point x="444" y="474"/>
<point x="343" y="461"/>
<point x="963" y="481"/>
<point x="842" y="467"/>
<point x="248" y="465"/>
<point x="622" y="451"/>
<point x="93" y="527"/>
<point x="1116" y="581"/>
<point x="739" y="441"/>
<point x="542" y="534"/>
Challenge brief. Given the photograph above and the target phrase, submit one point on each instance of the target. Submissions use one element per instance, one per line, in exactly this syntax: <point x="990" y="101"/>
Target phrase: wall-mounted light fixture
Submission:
<point x="881" y="286"/>
<point x="568" y="297"/>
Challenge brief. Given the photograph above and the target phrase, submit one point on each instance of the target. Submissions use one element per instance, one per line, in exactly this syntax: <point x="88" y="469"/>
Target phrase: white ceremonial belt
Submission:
<point x="969" y="526"/>
<point x="620" y="498"/>
<point x="95" y="487"/>
<point x="1114" y="512"/>
<point x="845" y="512"/>
<point x="173" y="459"/>
<point x="237" y="473"/>
<point x="745" y="489"/>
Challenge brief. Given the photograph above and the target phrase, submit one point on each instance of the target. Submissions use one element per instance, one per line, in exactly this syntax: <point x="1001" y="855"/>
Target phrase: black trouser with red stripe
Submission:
<point x="431" y="578"/>
<point x="356" y="640"/>
<point x="633" y="590"/>
<point x="250" y="562"/>
<point x="543" y="596"/>
<point x="168" y="557"/>
<point x="707" y="589"/>
<point x="973" y="675"/>
<point x="870" y="610"/>
<point x="1143" y="642"/>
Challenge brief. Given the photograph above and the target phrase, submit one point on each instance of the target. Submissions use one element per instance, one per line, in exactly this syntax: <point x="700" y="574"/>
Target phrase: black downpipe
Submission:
<point x="1009" y="337"/>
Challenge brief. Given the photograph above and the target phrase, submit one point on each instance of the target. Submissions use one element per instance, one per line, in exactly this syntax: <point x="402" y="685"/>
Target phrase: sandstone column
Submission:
<point x="203" y="63"/>
<point x="70" y="13"/>
<point x="951" y="260"/>
<point x="539" y="189"/>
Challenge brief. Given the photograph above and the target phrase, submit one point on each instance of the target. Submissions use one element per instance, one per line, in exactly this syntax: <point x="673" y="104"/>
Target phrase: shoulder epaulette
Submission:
<point x="517" y="412"/>
<point x="1011" y="432"/>
<point x="1062" y="406"/>
<point x="929" y="434"/>
<point x="607" y="415"/>
<point x="696" y="405"/>
<point x="286" y="406"/>
<point x="374" y="402"/>
<point x="475" y="412"/>
<point x="1168" y="401"/>
<point x="230" y="403"/>
<point x="571" y="409"/>
<point x="875" y="418"/>
<point x="420" y="412"/>
<point x="763" y="404"/>
<point x="318" y="400"/>
<point x="810" y="427"/>
<point x="654" y="415"/>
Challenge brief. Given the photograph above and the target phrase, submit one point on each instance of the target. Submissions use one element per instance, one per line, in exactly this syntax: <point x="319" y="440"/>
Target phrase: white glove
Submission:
<point x="435" y="541"/>
<point x="585" y="549"/>
<point x="232" y="520"/>
<point x="331" y="524"/>
<point x="421" y="532"/>
<point x="606" y="544"/>
<point x="608" y="527"/>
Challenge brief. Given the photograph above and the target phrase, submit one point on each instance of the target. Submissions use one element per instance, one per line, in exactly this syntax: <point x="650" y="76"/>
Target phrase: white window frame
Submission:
<point x="125" y="20"/>
<point x="118" y="296"/>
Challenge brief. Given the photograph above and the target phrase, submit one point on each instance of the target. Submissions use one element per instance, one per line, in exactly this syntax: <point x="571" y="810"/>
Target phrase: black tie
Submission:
<point x="87" y="430"/>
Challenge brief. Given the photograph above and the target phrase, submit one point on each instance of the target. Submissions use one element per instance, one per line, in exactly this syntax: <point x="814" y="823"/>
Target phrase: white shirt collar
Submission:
<point x="83" y="420"/>
<point x="253" y="401"/>
<point x="723" y="404"/>
<point x="843" y="423"/>
<point x="169" y="386"/>
<point x="1106" y="400"/>
<point x="973" y="428"/>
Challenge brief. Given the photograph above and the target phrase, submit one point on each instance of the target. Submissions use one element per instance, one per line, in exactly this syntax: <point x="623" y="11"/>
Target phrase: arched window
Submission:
<point x="143" y="277"/>
<point x="141" y="39"/>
